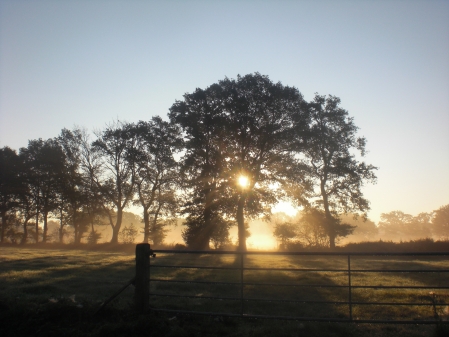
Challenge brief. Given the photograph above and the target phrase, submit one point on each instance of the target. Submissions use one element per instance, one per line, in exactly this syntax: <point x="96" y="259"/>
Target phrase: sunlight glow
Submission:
<point x="261" y="242"/>
<point x="285" y="207"/>
<point x="243" y="181"/>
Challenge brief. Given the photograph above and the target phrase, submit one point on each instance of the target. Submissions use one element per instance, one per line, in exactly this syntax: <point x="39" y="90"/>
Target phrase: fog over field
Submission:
<point x="262" y="237"/>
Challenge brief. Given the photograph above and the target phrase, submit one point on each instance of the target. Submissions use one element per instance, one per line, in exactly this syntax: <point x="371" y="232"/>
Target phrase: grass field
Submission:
<point x="283" y="288"/>
<point x="47" y="292"/>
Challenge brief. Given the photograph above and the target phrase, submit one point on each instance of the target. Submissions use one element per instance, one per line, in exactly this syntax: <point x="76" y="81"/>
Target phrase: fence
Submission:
<point x="332" y="287"/>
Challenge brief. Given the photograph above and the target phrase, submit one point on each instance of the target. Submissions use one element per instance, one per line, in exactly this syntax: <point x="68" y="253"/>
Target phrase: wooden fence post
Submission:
<point x="142" y="291"/>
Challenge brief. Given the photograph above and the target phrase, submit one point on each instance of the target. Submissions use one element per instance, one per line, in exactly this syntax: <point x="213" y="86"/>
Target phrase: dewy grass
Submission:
<point x="57" y="291"/>
<point x="41" y="274"/>
<point x="274" y="292"/>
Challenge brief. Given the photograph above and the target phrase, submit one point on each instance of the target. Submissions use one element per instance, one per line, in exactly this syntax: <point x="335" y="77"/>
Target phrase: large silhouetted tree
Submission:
<point x="52" y="162"/>
<point x="235" y="128"/>
<point x="334" y="168"/>
<point x="262" y="117"/>
<point x="113" y="177"/>
<point x="27" y="202"/>
<point x="202" y="119"/>
<point x="79" y="201"/>
<point x="10" y="186"/>
<point x="70" y="195"/>
<point x="156" y="172"/>
<point x="44" y="163"/>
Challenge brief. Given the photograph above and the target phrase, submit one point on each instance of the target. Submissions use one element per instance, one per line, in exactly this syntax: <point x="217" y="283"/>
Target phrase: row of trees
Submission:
<point x="84" y="183"/>
<point x="241" y="145"/>
<point x="399" y="226"/>
<point x="306" y="229"/>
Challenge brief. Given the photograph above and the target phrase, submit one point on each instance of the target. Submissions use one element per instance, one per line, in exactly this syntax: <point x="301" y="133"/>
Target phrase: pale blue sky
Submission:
<point x="66" y="63"/>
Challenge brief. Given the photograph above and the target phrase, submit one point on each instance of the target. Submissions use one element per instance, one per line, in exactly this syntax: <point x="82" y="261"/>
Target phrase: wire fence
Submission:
<point x="405" y="288"/>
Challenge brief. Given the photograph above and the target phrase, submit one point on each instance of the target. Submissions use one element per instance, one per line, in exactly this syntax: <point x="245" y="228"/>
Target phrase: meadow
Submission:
<point x="307" y="286"/>
<point x="57" y="291"/>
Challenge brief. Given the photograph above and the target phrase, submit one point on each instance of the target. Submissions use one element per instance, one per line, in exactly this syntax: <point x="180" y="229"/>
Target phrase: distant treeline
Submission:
<point x="306" y="230"/>
<point x="227" y="154"/>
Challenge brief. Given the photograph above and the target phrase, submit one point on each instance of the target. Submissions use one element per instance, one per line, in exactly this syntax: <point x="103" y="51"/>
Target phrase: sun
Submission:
<point x="243" y="181"/>
<point x="261" y="242"/>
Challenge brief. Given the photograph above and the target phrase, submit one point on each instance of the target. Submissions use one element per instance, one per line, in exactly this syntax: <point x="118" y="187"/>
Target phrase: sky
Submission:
<point x="87" y="63"/>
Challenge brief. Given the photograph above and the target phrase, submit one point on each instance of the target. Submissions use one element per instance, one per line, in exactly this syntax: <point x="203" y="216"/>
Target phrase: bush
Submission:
<point x="128" y="234"/>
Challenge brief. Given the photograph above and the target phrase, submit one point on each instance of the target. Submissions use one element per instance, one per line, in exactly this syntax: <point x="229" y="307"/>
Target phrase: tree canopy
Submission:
<point x="333" y="168"/>
<point x="226" y="154"/>
<point x="440" y="222"/>
<point x="234" y="128"/>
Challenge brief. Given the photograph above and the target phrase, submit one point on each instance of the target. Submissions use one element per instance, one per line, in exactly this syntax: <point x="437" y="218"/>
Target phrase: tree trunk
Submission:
<point x="330" y="225"/>
<point x="154" y="227"/>
<point x="25" y="233"/>
<point x="203" y="239"/>
<point x="116" y="228"/>
<point x="76" y="233"/>
<point x="146" y="221"/>
<point x="241" y="224"/>
<point x="115" y="232"/>
<point x="44" y="233"/>
<point x="61" y="228"/>
<point x="37" y="226"/>
<point x="2" y="239"/>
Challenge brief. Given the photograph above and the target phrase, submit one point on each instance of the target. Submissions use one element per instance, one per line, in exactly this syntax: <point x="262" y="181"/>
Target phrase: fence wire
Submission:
<point x="401" y="288"/>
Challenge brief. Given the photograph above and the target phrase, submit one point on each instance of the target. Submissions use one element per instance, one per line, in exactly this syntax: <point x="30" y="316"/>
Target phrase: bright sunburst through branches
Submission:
<point x="243" y="181"/>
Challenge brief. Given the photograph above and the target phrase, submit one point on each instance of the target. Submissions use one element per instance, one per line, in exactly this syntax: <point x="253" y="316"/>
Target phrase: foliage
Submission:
<point x="284" y="233"/>
<point x="128" y="234"/>
<point x="94" y="237"/>
<point x="440" y="222"/>
<point x="158" y="232"/>
<point x="249" y="126"/>
<point x="365" y="229"/>
<point x="234" y="128"/>
<point x="156" y="173"/>
<point x="399" y="226"/>
<point x="307" y="230"/>
<point x="312" y="231"/>
<point x="196" y="232"/>
<point x="13" y="229"/>
<point x="114" y="177"/>
<point x="44" y="165"/>
<point x="336" y="173"/>
<point x="202" y="164"/>
<point x="261" y="116"/>
<point x="10" y="186"/>
<point x="220" y="237"/>
<point x="79" y="201"/>
<point x="420" y="245"/>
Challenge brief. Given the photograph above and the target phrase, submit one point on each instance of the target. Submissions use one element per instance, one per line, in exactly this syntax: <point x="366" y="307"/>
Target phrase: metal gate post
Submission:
<point x="350" y="287"/>
<point x="142" y="291"/>
<point x="241" y="284"/>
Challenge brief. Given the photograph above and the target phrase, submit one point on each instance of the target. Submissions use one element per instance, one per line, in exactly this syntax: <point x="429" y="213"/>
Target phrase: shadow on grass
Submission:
<point x="287" y="292"/>
<point x="265" y="292"/>
<point x="399" y="271"/>
<point x="89" y="277"/>
<point x="92" y="276"/>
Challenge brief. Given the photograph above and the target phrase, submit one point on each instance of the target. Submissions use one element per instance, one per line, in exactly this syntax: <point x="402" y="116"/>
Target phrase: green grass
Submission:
<point x="56" y="292"/>
<point x="294" y="286"/>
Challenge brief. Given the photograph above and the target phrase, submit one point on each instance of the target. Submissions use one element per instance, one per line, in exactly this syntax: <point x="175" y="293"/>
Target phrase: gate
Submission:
<point x="405" y="288"/>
